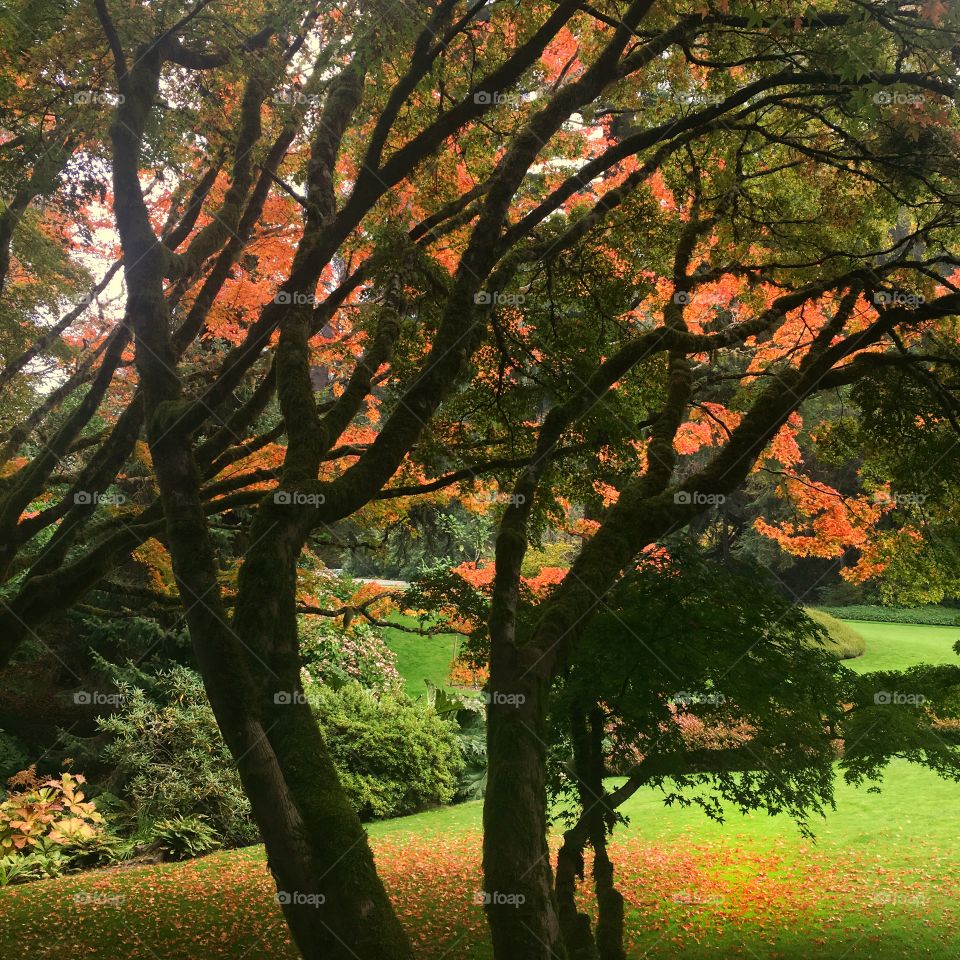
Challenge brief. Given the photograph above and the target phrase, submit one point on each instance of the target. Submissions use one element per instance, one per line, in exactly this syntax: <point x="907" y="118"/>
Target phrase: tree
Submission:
<point x="550" y="239"/>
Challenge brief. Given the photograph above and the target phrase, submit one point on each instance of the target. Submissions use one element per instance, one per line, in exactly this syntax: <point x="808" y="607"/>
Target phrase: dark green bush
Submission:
<point x="169" y="759"/>
<point x="394" y="755"/>
<point x="13" y="757"/>
<point x="843" y="640"/>
<point x="931" y="616"/>
<point x="469" y="715"/>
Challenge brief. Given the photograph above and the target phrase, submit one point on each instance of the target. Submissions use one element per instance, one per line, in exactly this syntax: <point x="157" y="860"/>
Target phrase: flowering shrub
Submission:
<point x="38" y="810"/>
<point x="357" y="652"/>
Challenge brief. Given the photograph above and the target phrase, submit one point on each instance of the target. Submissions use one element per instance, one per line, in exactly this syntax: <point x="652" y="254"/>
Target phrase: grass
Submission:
<point x="842" y="639"/>
<point x="894" y="646"/>
<point x="881" y="882"/>
<point x="420" y="658"/>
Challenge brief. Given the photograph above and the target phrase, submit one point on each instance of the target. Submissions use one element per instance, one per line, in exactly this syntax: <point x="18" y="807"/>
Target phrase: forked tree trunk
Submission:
<point x="333" y="900"/>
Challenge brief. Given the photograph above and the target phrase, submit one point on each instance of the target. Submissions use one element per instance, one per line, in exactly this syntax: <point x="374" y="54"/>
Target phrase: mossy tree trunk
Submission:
<point x="317" y="849"/>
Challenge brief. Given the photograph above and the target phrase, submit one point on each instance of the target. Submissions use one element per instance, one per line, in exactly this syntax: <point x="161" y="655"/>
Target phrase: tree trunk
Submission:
<point x="518" y="880"/>
<point x="327" y="884"/>
<point x="334" y="902"/>
<point x="609" y="899"/>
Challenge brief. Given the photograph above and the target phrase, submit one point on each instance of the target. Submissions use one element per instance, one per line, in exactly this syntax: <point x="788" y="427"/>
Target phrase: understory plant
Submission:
<point x="394" y="755"/>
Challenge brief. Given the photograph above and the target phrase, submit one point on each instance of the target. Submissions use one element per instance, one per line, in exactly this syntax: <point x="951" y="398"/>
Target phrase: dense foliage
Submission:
<point x="277" y="278"/>
<point x="393" y="755"/>
<point x="934" y="616"/>
<point x="169" y="760"/>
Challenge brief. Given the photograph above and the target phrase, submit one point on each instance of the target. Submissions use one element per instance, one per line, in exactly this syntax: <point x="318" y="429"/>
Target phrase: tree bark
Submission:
<point x="518" y="880"/>
<point x="334" y="902"/>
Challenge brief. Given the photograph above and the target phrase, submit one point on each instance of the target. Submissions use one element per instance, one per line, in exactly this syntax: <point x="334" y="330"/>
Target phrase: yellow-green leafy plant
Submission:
<point x="53" y="810"/>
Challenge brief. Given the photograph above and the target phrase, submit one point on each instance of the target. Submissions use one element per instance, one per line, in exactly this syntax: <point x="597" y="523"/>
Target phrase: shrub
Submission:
<point x="170" y="760"/>
<point x="182" y="838"/>
<point x="40" y="862"/>
<point x="470" y="716"/>
<point x="558" y="553"/>
<point x="331" y="653"/>
<point x="55" y="811"/>
<point x="932" y="616"/>
<point x="394" y="755"/>
<point x="843" y="640"/>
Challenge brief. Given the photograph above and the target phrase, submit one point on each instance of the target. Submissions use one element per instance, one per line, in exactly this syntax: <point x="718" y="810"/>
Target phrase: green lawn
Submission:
<point x="420" y="658"/>
<point x="881" y="881"/>
<point x="894" y="646"/>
